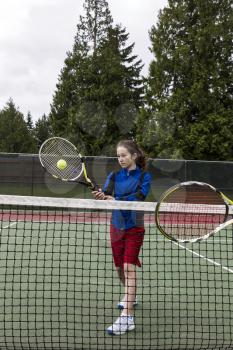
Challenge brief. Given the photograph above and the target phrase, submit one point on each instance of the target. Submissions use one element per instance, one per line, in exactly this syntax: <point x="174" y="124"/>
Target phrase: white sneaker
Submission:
<point x="121" y="304"/>
<point x="122" y="325"/>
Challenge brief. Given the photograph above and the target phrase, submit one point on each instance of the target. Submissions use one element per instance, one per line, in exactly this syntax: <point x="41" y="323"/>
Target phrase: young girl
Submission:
<point x="130" y="183"/>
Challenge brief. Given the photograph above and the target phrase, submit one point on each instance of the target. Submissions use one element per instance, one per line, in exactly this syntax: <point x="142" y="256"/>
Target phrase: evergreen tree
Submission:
<point x="42" y="130"/>
<point x="109" y="109"/>
<point x="94" y="25"/>
<point x="29" y="122"/>
<point x="15" y="136"/>
<point x="76" y="77"/>
<point x="119" y="74"/>
<point x="189" y="88"/>
<point x="99" y="91"/>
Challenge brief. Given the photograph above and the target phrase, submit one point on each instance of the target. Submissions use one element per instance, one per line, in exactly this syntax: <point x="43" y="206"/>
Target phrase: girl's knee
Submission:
<point x="129" y="269"/>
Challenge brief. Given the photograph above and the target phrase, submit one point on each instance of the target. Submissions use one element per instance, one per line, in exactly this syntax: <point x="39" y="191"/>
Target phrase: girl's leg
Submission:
<point x="125" y="322"/>
<point x="118" y="248"/>
<point x="121" y="275"/>
<point x="130" y="288"/>
<point x="133" y="242"/>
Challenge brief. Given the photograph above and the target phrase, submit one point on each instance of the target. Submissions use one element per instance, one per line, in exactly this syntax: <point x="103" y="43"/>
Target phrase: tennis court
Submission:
<point x="59" y="288"/>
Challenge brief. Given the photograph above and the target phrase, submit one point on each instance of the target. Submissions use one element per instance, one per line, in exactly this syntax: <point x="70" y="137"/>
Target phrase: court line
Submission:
<point x="176" y="243"/>
<point x="205" y="258"/>
<point x="161" y="240"/>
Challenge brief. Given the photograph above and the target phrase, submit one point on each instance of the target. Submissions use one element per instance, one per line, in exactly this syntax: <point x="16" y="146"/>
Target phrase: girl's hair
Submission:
<point x="133" y="148"/>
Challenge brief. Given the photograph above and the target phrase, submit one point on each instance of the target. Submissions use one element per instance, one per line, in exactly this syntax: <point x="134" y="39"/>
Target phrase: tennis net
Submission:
<point x="59" y="288"/>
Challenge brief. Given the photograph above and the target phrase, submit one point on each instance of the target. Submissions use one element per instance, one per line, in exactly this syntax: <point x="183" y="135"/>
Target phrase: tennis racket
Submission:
<point x="192" y="211"/>
<point x="63" y="161"/>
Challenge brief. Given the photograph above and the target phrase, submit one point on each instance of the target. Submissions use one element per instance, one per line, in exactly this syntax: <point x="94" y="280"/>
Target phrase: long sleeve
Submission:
<point x="141" y="192"/>
<point x="108" y="187"/>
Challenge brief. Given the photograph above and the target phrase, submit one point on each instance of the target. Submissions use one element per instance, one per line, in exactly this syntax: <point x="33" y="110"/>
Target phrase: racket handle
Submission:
<point x="92" y="186"/>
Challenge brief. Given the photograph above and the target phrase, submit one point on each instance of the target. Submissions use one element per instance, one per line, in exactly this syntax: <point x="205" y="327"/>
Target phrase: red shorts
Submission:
<point x="126" y="245"/>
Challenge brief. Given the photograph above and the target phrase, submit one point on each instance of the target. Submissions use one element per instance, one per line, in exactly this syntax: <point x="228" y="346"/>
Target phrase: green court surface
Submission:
<point x="59" y="290"/>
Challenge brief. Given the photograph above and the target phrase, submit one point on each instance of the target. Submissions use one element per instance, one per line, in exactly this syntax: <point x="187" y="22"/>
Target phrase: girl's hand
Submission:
<point x="109" y="198"/>
<point x="99" y="194"/>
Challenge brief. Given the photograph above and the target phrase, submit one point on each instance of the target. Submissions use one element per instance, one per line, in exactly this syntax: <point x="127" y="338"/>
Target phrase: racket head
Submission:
<point x="190" y="212"/>
<point x="57" y="148"/>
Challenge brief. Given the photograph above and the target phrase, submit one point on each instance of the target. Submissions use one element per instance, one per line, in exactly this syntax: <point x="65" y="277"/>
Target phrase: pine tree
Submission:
<point x="29" y="122"/>
<point x="99" y="91"/>
<point x="119" y="72"/>
<point x="42" y="130"/>
<point x="109" y="111"/>
<point x="15" y="136"/>
<point x="94" y="25"/>
<point x="76" y="76"/>
<point x="189" y="88"/>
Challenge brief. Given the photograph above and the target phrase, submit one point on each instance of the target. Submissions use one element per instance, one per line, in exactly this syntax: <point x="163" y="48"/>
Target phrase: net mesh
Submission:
<point x="59" y="288"/>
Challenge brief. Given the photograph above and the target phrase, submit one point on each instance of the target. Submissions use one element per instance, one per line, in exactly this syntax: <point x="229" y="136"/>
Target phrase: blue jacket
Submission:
<point x="125" y="185"/>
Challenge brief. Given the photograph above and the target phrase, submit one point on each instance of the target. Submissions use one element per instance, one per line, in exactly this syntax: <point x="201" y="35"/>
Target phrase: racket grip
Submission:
<point x="91" y="185"/>
<point x="94" y="187"/>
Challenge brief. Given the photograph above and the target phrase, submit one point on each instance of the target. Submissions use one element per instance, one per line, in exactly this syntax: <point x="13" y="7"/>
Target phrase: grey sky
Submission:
<point x="36" y="34"/>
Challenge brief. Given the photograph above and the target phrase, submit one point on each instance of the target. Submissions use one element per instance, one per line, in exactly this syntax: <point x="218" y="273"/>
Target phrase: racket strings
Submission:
<point x="190" y="212"/>
<point x="56" y="149"/>
<point x="196" y="194"/>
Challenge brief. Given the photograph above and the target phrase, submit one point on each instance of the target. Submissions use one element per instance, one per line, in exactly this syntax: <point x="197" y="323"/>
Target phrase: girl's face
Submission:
<point x="126" y="159"/>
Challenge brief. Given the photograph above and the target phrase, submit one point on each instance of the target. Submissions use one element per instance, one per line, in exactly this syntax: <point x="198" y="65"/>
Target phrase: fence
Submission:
<point x="22" y="174"/>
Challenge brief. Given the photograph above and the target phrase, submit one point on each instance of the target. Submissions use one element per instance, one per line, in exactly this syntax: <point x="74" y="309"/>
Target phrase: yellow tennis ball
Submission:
<point x="61" y="164"/>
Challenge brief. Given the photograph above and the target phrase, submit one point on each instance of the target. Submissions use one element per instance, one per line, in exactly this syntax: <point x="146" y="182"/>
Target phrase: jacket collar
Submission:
<point x="131" y="172"/>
